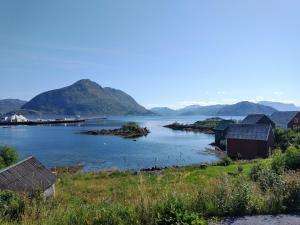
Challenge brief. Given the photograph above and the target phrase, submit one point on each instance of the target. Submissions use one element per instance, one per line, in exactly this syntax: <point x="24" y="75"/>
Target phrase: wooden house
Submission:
<point x="258" y="119"/>
<point x="220" y="133"/>
<point x="249" y="141"/>
<point x="28" y="176"/>
<point x="286" y="119"/>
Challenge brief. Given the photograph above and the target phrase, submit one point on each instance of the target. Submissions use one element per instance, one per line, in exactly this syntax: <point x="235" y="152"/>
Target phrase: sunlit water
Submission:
<point x="63" y="145"/>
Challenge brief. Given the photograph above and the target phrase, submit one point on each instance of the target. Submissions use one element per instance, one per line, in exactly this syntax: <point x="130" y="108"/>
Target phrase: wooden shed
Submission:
<point x="249" y="141"/>
<point x="28" y="176"/>
<point x="220" y="133"/>
<point x="286" y="119"/>
<point x="258" y="119"/>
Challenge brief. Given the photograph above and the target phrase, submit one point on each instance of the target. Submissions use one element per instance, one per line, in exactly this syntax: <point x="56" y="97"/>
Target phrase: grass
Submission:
<point x="117" y="190"/>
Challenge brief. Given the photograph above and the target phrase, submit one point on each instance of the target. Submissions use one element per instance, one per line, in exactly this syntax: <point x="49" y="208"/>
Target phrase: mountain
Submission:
<point x="7" y="105"/>
<point x="281" y="106"/>
<point x="85" y="97"/>
<point x="245" y="108"/>
<point x="201" y="110"/>
<point x="163" y="111"/>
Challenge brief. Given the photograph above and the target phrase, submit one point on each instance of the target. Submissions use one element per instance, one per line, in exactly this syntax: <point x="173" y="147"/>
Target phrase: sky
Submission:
<point x="162" y="52"/>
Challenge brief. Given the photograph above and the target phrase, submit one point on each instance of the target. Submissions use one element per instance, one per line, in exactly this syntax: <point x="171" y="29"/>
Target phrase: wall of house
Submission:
<point x="248" y="149"/>
<point x="295" y="122"/>
<point x="50" y="192"/>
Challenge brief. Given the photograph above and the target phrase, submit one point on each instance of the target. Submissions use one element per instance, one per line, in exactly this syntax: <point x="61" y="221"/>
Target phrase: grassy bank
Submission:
<point x="185" y="194"/>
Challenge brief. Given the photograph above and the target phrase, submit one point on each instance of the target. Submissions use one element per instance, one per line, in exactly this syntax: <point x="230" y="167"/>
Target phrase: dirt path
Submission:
<point x="262" y="220"/>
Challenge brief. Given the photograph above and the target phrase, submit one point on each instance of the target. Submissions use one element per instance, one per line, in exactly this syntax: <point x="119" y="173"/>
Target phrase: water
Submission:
<point x="63" y="145"/>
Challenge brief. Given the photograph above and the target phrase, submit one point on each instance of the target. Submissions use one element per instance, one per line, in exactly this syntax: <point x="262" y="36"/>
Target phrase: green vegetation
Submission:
<point x="286" y="137"/>
<point x="176" y="196"/>
<point x="8" y="156"/>
<point x="85" y="98"/>
<point x="186" y="195"/>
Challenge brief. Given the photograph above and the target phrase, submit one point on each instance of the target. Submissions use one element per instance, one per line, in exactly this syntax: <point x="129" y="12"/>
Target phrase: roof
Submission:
<point x="27" y="175"/>
<point x="281" y="119"/>
<point x="223" y="125"/>
<point x="253" y="118"/>
<point x="260" y="132"/>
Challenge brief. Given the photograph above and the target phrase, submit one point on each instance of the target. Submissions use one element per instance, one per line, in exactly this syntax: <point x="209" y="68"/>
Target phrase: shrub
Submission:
<point x="11" y="205"/>
<point x="240" y="198"/>
<point x="293" y="158"/>
<point x="174" y="212"/>
<point x="292" y="200"/>
<point x="8" y="156"/>
<point x="278" y="162"/>
<point x="255" y="171"/>
<point x="265" y="177"/>
<point x="226" y="161"/>
<point x="130" y="126"/>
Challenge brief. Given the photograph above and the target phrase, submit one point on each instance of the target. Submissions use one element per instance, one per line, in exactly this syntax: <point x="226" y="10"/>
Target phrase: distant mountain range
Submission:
<point x="239" y="109"/>
<point x="7" y="105"/>
<point x="281" y="106"/>
<point x="84" y="97"/>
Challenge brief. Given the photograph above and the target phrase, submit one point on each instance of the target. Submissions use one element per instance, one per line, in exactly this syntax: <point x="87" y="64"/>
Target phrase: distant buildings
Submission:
<point x="286" y="119"/>
<point x="253" y="137"/>
<point x="28" y="176"/>
<point x="14" y="118"/>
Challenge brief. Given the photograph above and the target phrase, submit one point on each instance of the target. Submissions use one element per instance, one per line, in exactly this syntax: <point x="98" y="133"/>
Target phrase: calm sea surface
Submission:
<point x="63" y="145"/>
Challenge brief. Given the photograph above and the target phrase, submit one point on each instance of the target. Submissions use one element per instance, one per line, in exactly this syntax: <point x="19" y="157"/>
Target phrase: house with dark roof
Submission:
<point x="289" y="119"/>
<point x="249" y="140"/>
<point x="28" y="176"/>
<point x="220" y="132"/>
<point x="258" y="119"/>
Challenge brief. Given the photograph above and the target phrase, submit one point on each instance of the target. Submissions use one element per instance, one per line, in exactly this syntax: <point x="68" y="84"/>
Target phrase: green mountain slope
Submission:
<point x="85" y="97"/>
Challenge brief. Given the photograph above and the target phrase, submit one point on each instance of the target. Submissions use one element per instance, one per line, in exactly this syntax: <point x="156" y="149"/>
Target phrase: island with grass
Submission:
<point x="206" y="126"/>
<point x="128" y="130"/>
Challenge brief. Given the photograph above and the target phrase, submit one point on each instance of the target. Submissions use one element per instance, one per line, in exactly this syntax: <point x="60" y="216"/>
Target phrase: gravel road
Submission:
<point x="262" y="220"/>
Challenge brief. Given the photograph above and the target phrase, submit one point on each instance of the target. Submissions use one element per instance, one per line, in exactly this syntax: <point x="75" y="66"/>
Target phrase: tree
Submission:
<point x="8" y="156"/>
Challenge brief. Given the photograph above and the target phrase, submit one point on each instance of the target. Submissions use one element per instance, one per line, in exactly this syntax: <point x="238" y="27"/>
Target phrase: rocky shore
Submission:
<point x="130" y="130"/>
<point x="190" y="127"/>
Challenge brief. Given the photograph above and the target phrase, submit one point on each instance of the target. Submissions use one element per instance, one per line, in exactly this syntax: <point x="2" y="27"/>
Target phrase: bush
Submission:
<point x="292" y="158"/>
<point x="11" y="205"/>
<point x="8" y="156"/>
<point x="265" y="177"/>
<point x="278" y="162"/>
<point x="226" y="161"/>
<point x="240" y="198"/>
<point x="173" y="212"/>
<point x="130" y="126"/>
<point x="292" y="201"/>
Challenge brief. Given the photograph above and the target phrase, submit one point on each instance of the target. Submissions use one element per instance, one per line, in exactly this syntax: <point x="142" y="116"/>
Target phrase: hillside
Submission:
<point x="210" y="110"/>
<point x="281" y="106"/>
<point x="163" y="111"/>
<point x="7" y="105"/>
<point x="85" y="97"/>
<point x="245" y="108"/>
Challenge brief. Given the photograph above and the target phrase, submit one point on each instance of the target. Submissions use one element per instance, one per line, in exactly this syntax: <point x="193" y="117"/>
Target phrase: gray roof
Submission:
<point x="253" y="118"/>
<point x="224" y="124"/>
<point x="27" y="175"/>
<point x="281" y="119"/>
<point x="259" y="132"/>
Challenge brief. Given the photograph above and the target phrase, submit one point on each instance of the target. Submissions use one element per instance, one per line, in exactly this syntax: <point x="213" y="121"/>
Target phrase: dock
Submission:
<point x="42" y="122"/>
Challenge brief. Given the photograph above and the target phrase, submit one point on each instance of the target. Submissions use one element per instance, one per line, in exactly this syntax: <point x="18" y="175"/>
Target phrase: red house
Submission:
<point x="286" y="119"/>
<point x="249" y="141"/>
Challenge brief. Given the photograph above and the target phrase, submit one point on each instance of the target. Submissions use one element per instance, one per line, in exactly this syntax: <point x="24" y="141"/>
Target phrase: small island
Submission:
<point x="206" y="126"/>
<point x="128" y="130"/>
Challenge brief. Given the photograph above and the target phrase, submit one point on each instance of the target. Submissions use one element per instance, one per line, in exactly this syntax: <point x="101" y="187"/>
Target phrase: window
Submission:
<point x="296" y="120"/>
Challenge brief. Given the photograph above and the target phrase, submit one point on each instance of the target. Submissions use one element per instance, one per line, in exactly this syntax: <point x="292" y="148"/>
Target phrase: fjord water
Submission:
<point x="63" y="145"/>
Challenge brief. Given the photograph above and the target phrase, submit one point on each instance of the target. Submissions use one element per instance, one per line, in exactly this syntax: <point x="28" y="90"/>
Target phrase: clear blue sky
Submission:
<point x="162" y="52"/>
